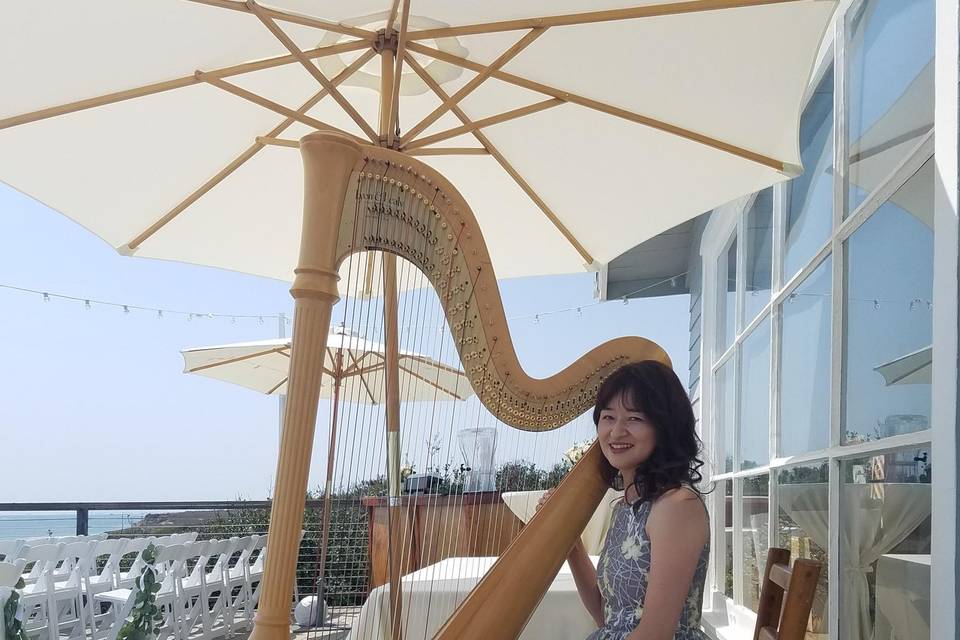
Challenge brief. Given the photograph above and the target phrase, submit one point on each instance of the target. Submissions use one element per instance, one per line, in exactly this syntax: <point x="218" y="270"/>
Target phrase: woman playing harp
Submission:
<point x="648" y="584"/>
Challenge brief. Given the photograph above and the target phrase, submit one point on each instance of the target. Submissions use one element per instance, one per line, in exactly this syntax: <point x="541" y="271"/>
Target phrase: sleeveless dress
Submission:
<point x="622" y="573"/>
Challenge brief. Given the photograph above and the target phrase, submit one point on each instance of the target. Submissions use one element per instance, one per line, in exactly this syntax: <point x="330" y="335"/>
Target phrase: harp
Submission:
<point x="360" y="198"/>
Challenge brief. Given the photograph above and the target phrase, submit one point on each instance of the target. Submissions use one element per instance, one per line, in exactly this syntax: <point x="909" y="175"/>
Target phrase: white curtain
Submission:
<point x="874" y="518"/>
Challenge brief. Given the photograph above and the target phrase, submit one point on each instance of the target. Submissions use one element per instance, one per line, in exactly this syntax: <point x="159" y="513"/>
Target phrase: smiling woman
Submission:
<point x="650" y="576"/>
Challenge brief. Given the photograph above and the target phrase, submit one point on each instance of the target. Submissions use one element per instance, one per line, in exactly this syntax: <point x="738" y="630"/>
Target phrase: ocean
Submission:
<point x="26" y="524"/>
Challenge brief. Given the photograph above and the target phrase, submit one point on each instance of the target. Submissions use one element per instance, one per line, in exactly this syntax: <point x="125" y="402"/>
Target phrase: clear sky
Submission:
<point x="93" y="402"/>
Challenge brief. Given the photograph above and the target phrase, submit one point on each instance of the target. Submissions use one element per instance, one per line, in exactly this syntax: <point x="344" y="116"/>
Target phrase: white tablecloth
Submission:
<point x="903" y="597"/>
<point x="431" y="594"/>
<point x="524" y="505"/>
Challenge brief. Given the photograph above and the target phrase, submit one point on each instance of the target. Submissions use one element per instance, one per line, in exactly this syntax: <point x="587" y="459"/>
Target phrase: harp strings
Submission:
<point x="361" y="443"/>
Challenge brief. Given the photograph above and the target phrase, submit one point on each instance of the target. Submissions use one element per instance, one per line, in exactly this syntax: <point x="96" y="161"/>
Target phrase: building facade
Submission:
<point x="823" y="343"/>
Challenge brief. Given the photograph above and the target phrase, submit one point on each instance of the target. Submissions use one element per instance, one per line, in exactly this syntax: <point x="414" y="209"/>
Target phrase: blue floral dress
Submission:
<point x="623" y="570"/>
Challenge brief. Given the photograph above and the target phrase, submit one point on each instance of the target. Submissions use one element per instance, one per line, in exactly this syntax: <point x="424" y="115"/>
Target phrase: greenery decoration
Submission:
<point x="12" y="616"/>
<point x="145" y="618"/>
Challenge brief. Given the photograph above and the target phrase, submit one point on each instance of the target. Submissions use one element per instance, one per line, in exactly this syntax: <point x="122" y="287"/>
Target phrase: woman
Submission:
<point x="654" y="560"/>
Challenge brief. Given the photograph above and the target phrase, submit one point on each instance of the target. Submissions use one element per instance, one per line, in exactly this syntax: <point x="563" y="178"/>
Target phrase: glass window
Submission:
<point x="725" y="490"/>
<point x="759" y="255"/>
<point x="726" y="399"/>
<point x="888" y="327"/>
<point x="890" y="88"/>
<point x="727" y="311"/>
<point x="755" y="398"/>
<point x="755" y="531"/>
<point x="805" y="365"/>
<point x="809" y="207"/>
<point x="803" y="528"/>
<point x="885" y="546"/>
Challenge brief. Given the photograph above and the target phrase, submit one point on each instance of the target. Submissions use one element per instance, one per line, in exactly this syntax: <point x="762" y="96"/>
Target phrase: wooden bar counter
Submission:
<point x="436" y="527"/>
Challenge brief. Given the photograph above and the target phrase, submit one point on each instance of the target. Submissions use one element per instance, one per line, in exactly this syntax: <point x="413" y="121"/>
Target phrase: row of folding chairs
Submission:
<point x="85" y="589"/>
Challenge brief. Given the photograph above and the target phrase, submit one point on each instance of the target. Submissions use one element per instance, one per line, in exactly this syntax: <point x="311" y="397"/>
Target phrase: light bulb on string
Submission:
<point x="46" y="297"/>
<point x="579" y="312"/>
<point x="536" y="319"/>
<point x="876" y="305"/>
<point x="126" y="309"/>
<point x="86" y="305"/>
<point x="259" y="319"/>
<point x="189" y="317"/>
<point x="159" y="314"/>
<point x="626" y="301"/>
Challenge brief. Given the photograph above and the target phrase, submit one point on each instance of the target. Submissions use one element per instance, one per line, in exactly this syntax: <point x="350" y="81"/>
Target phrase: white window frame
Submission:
<point x="728" y="618"/>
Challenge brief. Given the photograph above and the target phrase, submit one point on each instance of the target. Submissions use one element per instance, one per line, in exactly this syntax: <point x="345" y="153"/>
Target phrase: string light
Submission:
<point x="86" y="305"/>
<point x="126" y="309"/>
<point x="46" y="297"/>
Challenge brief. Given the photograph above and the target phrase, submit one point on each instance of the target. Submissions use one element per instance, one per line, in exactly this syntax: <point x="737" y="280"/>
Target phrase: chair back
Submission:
<point x="786" y="597"/>
<point x="9" y="549"/>
<point x="10" y="573"/>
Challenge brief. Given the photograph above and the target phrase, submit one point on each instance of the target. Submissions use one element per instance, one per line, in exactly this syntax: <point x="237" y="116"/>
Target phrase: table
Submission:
<point x="431" y="594"/>
<point x="903" y="597"/>
<point x="439" y="527"/>
<point x="524" y="504"/>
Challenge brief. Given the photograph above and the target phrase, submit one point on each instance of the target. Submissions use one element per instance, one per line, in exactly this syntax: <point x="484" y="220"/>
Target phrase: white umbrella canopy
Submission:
<point x="912" y="368"/>
<point x="355" y="362"/>
<point x="163" y="126"/>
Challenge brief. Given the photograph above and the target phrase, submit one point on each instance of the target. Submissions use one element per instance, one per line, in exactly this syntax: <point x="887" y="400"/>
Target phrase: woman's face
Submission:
<point x="627" y="437"/>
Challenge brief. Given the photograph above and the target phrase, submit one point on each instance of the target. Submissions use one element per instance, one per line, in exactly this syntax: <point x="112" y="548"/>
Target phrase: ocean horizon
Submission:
<point x="39" y="524"/>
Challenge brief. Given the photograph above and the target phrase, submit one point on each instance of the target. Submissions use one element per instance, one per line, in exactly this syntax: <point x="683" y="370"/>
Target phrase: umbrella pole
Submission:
<point x="328" y="161"/>
<point x="395" y="515"/>
<point x="328" y="486"/>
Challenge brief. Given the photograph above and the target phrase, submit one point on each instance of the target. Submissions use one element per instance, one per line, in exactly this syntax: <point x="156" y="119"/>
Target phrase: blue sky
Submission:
<point x="93" y="403"/>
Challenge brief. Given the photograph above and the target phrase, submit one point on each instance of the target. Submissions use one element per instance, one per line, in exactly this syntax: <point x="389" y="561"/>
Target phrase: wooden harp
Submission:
<point x="365" y="198"/>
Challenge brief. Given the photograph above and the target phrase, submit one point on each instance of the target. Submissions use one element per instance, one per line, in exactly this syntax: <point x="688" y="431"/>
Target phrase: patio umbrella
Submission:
<point x="354" y="368"/>
<point x="913" y="368"/>
<point x="574" y="133"/>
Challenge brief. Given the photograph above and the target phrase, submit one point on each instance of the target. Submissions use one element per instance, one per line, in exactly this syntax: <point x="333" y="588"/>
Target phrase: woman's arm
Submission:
<point x="584" y="575"/>
<point x="678" y="530"/>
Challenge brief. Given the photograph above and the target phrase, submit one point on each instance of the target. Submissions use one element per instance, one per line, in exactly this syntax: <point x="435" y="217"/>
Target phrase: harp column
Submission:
<point x="396" y="520"/>
<point x="328" y="160"/>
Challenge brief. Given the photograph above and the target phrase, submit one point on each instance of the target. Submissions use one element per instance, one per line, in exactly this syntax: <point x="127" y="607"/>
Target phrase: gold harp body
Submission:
<point x="365" y="198"/>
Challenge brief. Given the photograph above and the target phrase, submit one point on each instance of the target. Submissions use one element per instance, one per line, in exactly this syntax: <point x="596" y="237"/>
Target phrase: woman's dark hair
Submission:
<point x="654" y="389"/>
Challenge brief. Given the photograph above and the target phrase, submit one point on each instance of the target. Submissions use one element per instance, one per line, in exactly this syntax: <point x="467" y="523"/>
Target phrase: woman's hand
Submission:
<point x="543" y="498"/>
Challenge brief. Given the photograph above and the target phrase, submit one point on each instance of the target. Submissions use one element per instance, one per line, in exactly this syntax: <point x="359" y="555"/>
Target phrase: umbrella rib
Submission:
<point x="273" y="106"/>
<point x="435" y="151"/>
<point x="277" y="386"/>
<point x="222" y="363"/>
<point x="294" y="18"/>
<point x="178" y="83"/>
<point x="432" y="384"/>
<point x="608" y="109"/>
<point x="449" y="151"/>
<point x="483" y="122"/>
<point x="311" y="68"/>
<point x="434" y="363"/>
<point x="485" y="72"/>
<point x="591" y="17"/>
<point x="132" y="246"/>
<point x="398" y="69"/>
<point x="551" y="216"/>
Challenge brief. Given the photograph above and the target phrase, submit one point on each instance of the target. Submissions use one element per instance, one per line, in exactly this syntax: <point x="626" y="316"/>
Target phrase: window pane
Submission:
<point x="755" y="398"/>
<point x="727" y="286"/>
<point x="885" y="546"/>
<point x="726" y="398"/>
<point x="759" y="255"/>
<point x="890" y="88"/>
<point x="805" y="365"/>
<point x="810" y="196"/>
<point x="725" y="489"/>
<point x="803" y="528"/>
<point x="888" y="325"/>
<point x="755" y="532"/>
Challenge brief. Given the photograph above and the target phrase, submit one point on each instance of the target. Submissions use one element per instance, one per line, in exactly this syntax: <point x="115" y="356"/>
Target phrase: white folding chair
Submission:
<point x="191" y="606"/>
<point x="134" y="547"/>
<point x="39" y="605"/>
<point x="169" y="566"/>
<point x="254" y="571"/>
<point x="217" y="614"/>
<point x="100" y="577"/>
<point x="9" y="549"/>
<point x="236" y="578"/>
<point x="68" y="583"/>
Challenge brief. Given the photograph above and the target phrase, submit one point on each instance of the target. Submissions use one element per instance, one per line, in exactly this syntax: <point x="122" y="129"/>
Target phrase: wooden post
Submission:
<point x="83" y="522"/>
<point x="328" y="161"/>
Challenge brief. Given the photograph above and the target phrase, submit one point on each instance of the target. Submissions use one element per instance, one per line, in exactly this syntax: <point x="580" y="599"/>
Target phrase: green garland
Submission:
<point x="142" y="623"/>
<point x="13" y="624"/>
